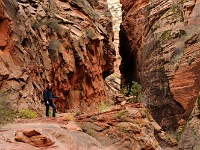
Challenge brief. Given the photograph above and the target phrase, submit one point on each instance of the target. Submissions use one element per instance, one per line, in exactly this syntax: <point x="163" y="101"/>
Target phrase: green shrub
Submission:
<point x="55" y="25"/>
<point x="38" y="23"/>
<point x="92" y="133"/>
<point x="54" y="44"/>
<point x="166" y="35"/>
<point x="148" y="10"/>
<point x="125" y="90"/>
<point x="169" y="34"/>
<point x="6" y="113"/>
<point x="155" y="27"/>
<point x="27" y="114"/>
<point x="134" y="91"/>
<point x="104" y="106"/>
<point x="122" y="115"/>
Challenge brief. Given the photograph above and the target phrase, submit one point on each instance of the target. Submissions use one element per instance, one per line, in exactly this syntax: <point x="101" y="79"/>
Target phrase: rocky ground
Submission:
<point x="111" y="127"/>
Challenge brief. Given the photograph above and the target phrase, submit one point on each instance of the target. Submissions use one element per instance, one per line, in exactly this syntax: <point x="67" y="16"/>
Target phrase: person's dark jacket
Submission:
<point x="48" y="95"/>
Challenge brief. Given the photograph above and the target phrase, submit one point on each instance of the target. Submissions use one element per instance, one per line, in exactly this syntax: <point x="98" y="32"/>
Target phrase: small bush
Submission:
<point x="36" y="25"/>
<point x="6" y="113"/>
<point x="134" y="90"/>
<point x="104" y="106"/>
<point x="27" y="114"/>
<point x="168" y="34"/>
<point x="125" y="90"/>
<point x="122" y="115"/>
<point x="55" y="25"/>
<point x="54" y="44"/>
<point x="92" y="133"/>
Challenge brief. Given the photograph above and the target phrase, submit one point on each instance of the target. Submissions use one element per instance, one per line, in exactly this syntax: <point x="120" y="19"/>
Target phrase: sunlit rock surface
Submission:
<point x="68" y="43"/>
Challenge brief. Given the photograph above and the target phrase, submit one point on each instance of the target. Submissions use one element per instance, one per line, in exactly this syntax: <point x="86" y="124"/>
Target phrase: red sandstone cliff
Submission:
<point x="160" y="49"/>
<point x="68" y="43"/>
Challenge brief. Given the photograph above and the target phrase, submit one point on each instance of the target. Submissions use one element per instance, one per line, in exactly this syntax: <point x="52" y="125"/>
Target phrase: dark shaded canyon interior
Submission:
<point x="128" y="67"/>
<point x="164" y="108"/>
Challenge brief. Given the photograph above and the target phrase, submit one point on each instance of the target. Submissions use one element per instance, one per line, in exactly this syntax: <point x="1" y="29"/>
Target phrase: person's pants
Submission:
<point x="47" y="108"/>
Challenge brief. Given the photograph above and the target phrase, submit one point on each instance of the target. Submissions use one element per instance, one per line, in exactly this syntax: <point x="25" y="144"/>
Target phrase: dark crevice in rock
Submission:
<point x="164" y="108"/>
<point x="128" y="67"/>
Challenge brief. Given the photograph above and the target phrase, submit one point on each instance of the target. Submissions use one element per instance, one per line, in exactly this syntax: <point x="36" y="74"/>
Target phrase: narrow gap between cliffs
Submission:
<point x="115" y="9"/>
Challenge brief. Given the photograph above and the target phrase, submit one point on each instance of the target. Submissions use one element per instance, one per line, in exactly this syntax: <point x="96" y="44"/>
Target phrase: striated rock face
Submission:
<point x="68" y="43"/>
<point x="189" y="138"/>
<point x="159" y="48"/>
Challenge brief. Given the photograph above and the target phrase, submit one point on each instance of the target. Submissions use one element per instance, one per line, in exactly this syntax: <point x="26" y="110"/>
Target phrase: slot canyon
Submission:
<point x="126" y="73"/>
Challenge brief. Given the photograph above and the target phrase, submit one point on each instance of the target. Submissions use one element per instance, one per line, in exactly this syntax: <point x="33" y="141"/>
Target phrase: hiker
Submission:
<point x="48" y="99"/>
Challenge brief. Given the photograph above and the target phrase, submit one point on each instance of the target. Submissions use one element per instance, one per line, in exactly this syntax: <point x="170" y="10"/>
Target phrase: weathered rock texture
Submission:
<point x="68" y="43"/>
<point x="160" y="49"/>
<point x="128" y="127"/>
<point x="49" y="136"/>
<point x="112" y="127"/>
<point x="190" y="135"/>
<point x="115" y="9"/>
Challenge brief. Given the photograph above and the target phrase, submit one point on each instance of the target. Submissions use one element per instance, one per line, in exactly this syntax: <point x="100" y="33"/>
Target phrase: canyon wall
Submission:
<point x="189" y="138"/>
<point x="68" y="43"/>
<point x="160" y="49"/>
